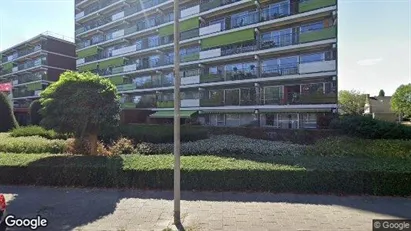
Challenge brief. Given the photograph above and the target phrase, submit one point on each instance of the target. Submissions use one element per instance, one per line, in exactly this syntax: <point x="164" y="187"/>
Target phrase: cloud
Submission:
<point x="368" y="62"/>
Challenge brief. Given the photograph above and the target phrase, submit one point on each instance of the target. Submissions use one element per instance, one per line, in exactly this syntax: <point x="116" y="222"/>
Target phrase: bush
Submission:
<point x="153" y="133"/>
<point x="348" y="146"/>
<point x="302" y="174"/>
<point x="227" y="145"/>
<point x="82" y="146"/>
<point x="33" y="144"/>
<point x="34" y="112"/>
<point x="122" y="146"/>
<point x="7" y="119"/>
<point x="37" y="131"/>
<point x="369" y="128"/>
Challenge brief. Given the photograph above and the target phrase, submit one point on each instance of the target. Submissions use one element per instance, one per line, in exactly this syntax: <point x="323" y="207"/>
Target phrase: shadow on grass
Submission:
<point x="67" y="208"/>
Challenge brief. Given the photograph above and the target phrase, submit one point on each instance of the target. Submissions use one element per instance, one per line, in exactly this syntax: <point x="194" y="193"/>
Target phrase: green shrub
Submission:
<point x="32" y="144"/>
<point x="34" y="112"/>
<point x="369" y="128"/>
<point x="348" y="146"/>
<point x="302" y="174"/>
<point x="37" y="131"/>
<point x="153" y="133"/>
<point x="230" y="145"/>
<point x="7" y="119"/>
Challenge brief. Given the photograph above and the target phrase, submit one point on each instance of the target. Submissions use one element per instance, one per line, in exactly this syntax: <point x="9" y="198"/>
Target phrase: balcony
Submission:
<point x="313" y="98"/>
<point x="30" y="78"/>
<point x="24" y="66"/>
<point x="96" y="6"/>
<point x="325" y="33"/>
<point x="21" y="53"/>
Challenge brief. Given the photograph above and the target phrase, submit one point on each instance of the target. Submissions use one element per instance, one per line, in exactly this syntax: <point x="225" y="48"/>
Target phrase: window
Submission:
<point x="232" y="97"/>
<point x="289" y="121"/>
<point x="279" y="9"/>
<point x="242" y="19"/>
<point x="220" y="119"/>
<point x="272" y="95"/>
<point x="271" y="120"/>
<point x="154" y="60"/>
<point x="139" y="44"/>
<point x="189" y="95"/>
<point x="168" y="79"/>
<point x="232" y="120"/>
<point x="216" y="70"/>
<point x="141" y="81"/>
<point x="311" y="27"/>
<point x="218" y="21"/>
<point x="151" y="22"/>
<point x="312" y="88"/>
<point x="318" y="57"/>
<point x="153" y="41"/>
<point x="309" y="120"/>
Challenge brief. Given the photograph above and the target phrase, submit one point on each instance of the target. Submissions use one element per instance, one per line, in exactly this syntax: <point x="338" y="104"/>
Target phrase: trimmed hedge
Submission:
<point x="36" y="131"/>
<point x="153" y="133"/>
<point x="32" y="144"/>
<point x="369" y="128"/>
<point x="282" y="174"/>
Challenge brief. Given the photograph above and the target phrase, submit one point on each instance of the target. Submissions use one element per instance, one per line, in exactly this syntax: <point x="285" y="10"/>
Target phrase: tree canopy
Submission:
<point x="401" y="100"/>
<point x="7" y="118"/>
<point x="351" y="102"/>
<point x="34" y="111"/>
<point x="381" y="93"/>
<point x="82" y="104"/>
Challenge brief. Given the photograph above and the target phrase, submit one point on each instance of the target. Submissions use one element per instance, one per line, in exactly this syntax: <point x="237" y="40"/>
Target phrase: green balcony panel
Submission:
<point x="208" y="78"/>
<point x="117" y="70"/>
<point x="7" y="66"/>
<point x="34" y="86"/>
<point x="165" y="104"/>
<point x="112" y="63"/>
<point x="117" y="80"/>
<point x="87" y="52"/>
<point x="210" y="5"/>
<point x="126" y="87"/>
<point x="315" y="4"/>
<point x="190" y="57"/>
<point x="184" y="26"/>
<point x="211" y="102"/>
<point x="226" y="39"/>
<point x="128" y="105"/>
<point x="88" y="67"/>
<point x="326" y="33"/>
<point x="170" y="114"/>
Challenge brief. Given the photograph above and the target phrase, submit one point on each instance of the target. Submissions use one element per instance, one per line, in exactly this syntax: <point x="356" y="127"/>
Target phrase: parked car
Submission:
<point x="2" y="213"/>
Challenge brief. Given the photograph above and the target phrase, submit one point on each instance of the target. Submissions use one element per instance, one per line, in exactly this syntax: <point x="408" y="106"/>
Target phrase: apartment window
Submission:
<point x="139" y="44"/>
<point x="273" y="95"/>
<point x="271" y="119"/>
<point x="141" y="81"/>
<point x="168" y="79"/>
<point x="151" y="22"/>
<point x="309" y="120"/>
<point x="218" y="21"/>
<point x="311" y="27"/>
<point x="280" y="8"/>
<point x="317" y="57"/>
<point x="189" y="95"/>
<point x="154" y="60"/>
<point x="189" y="73"/>
<point x="288" y="121"/>
<point x="232" y="97"/>
<point x="232" y="120"/>
<point x="312" y="88"/>
<point x="153" y="41"/>
<point x="241" y="19"/>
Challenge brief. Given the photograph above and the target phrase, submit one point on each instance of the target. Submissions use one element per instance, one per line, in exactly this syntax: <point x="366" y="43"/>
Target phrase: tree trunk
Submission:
<point x="93" y="144"/>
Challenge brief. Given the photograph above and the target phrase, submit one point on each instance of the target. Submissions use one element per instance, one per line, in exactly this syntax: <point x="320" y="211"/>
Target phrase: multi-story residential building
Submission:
<point x="266" y="61"/>
<point x="32" y="65"/>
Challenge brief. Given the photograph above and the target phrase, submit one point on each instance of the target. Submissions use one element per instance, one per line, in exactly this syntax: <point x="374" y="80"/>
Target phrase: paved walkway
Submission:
<point x="120" y="210"/>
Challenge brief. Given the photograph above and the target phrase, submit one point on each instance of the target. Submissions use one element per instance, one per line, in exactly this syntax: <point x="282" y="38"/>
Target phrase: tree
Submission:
<point x="401" y="100"/>
<point x="7" y="119"/>
<point x="82" y="104"/>
<point x="351" y="102"/>
<point x="34" y="112"/>
<point x="381" y="93"/>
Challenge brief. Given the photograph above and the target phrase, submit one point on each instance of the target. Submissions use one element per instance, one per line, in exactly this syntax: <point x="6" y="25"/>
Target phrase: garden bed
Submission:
<point x="301" y="174"/>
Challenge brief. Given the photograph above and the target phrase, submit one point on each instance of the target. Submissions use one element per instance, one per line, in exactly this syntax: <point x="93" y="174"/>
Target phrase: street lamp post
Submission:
<point x="177" y="82"/>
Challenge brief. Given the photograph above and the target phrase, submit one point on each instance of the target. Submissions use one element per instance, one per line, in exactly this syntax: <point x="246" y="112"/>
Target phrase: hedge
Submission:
<point x="282" y="174"/>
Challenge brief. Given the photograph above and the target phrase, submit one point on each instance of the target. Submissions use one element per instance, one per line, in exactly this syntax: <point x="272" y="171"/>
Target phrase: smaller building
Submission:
<point x="379" y="107"/>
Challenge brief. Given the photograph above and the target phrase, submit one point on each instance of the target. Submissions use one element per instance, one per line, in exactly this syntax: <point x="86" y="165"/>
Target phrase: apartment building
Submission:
<point x="266" y="62"/>
<point x="30" y="66"/>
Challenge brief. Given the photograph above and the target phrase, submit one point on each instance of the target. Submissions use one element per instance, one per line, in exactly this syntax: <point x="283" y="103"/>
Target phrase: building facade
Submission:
<point x="265" y="62"/>
<point x="32" y="65"/>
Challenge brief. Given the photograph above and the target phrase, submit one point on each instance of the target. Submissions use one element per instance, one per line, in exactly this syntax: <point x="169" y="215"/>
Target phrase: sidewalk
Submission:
<point x="98" y="209"/>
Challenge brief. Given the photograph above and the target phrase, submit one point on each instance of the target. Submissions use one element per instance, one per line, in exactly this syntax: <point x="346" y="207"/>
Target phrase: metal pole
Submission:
<point x="177" y="82"/>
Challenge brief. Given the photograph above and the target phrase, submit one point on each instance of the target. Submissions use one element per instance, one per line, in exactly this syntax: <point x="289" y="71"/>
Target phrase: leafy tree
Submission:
<point x="34" y="112"/>
<point x="7" y="119"/>
<point x="381" y="93"/>
<point x="82" y="104"/>
<point x="351" y="102"/>
<point x="401" y="100"/>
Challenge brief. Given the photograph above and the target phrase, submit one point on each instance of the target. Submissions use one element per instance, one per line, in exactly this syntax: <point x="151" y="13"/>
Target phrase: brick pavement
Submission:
<point x="120" y="210"/>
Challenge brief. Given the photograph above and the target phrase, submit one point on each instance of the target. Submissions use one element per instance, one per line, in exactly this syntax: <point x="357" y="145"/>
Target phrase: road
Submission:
<point x="134" y="210"/>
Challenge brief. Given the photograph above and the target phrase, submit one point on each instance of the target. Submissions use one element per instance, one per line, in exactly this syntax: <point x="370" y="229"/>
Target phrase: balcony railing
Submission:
<point x="31" y="78"/>
<point x="22" y="53"/>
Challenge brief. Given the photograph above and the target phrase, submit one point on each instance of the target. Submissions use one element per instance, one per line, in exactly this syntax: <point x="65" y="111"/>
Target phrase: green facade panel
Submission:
<point x="190" y="57"/>
<point x="117" y="80"/>
<point x="326" y="33"/>
<point x="128" y="105"/>
<point x="88" y="67"/>
<point x="88" y="52"/>
<point x="184" y="26"/>
<point x="126" y="87"/>
<point x="112" y="63"/>
<point x="315" y="4"/>
<point x="226" y="39"/>
<point x="165" y="104"/>
<point x="34" y="86"/>
<point x="170" y="114"/>
<point x="7" y="66"/>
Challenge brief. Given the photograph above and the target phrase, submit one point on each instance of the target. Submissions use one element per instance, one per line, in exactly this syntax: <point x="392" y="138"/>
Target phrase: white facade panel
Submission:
<point x="190" y="80"/>
<point x="190" y="11"/>
<point x="317" y="67"/>
<point x="131" y="67"/>
<point x="117" y="16"/>
<point x="190" y="103"/>
<point x="80" y="61"/>
<point x="79" y="15"/>
<point x="118" y="34"/>
<point x="210" y="29"/>
<point x="124" y="50"/>
<point x="210" y="53"/>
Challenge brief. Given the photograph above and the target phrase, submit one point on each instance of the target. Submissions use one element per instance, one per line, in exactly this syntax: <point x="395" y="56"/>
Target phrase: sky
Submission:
<point x="374" y="37"/>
